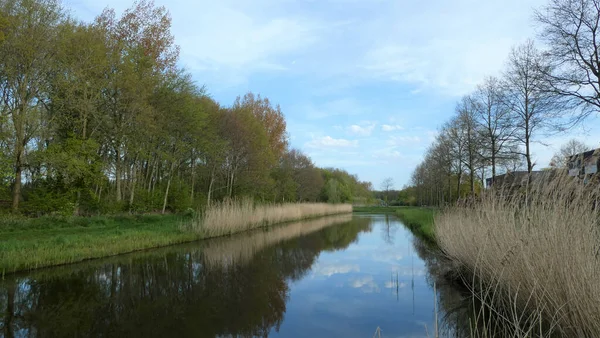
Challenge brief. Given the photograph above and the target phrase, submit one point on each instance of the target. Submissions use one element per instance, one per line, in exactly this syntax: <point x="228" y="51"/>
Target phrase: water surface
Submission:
<point x="341" y="276"/>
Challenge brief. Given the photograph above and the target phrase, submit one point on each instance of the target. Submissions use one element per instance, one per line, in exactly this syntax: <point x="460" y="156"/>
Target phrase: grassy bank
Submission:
<point x="419" y="221"/>
<point x="376" y="209"/>
<point x="533" y="260"/>
<point x="46" y="241"/>
<point x="33" y="243"/>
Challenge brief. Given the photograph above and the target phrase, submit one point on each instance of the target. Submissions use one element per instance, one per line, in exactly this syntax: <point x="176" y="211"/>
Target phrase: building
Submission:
<point x="514" y="179"/>
<point x="584" y="165"/>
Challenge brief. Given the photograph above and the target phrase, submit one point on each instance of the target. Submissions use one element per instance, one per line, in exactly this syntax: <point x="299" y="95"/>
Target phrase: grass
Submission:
<point x="236" y="216"/>
<point x="420" y="221"/>
<point x="532" y="259"/>
<point x="34" y="243"/>
<point x="376" y="209"/>
<point x="27" y="244"/>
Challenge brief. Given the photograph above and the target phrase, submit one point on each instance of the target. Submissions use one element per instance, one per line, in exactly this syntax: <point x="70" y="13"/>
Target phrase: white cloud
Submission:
<point x="366" y="129"/>
<point x="367" y="284"/>
<point x="445" y="46"/>
<point x="394" y="127"/>
<point x="333" y="269"/>
<point x="330" y="142"/>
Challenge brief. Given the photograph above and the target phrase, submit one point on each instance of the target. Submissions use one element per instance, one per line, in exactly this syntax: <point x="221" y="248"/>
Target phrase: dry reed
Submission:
<point x="234" y="216"/>
<point x="531" y="257"/>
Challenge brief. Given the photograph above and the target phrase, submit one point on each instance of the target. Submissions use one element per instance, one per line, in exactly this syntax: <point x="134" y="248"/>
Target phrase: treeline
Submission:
<point x="493" y="128"/>
<point x="98" y="118"/>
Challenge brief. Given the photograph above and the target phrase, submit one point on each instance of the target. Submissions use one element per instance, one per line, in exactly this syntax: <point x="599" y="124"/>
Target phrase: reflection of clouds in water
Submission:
<point x="366" y="284"/>
<point x="393" y="285"/>
<point x="389" y="255"/>
<point x="403" y="270"/>
<point x="332" y="269"/>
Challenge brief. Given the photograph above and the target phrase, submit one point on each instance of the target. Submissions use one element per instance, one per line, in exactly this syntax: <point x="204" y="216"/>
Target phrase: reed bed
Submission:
<point x="531" y="257"/>
<point x="234" y="216"/>
<point x="241" y="249"/>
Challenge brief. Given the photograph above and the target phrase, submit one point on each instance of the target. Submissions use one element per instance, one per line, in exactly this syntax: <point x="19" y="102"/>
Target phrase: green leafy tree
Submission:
<point x="26" y="58"/>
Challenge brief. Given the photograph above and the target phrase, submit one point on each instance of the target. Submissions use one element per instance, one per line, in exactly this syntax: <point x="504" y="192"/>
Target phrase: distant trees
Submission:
<point x="572" y="147"/>
<point x="494" y="127"/>
<point x="98" y="118"/>
<point x="386" y="186"/>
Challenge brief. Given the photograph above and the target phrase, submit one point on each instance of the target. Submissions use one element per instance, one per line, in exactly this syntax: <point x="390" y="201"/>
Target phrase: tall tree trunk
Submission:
<point x="19" y="152"/>
<point x="493" y="161"/>
<point x="118" y="175"/>
<point x="17" y="187"/>
<point x="164" y="208"/>
<point x="193" y="178"/>
<point x="210" y="187"/>
<point x="133" y="182"/>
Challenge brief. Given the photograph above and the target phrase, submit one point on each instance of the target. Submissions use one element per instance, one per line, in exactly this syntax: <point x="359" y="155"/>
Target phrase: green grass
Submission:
<point x="377" y="209"/>
<point x="39" y="242"/>
<point x="419" y="221"/>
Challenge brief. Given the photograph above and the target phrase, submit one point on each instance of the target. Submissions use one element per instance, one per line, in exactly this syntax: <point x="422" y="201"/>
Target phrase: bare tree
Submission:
<point x="495" y="123"/>
<point x="386" y="186"/>
<point x="469" y="128"/>
<point x="571" y="29"/>
<point x="533" y="107"/>
<point x="572" y="147"/>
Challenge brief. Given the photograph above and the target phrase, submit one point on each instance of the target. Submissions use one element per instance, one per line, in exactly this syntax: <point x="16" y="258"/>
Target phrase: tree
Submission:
<point x="386" y="186"/>
<point x="26" y="58"/>
<point x="142" y="53"/>
<point x="271" y="118"/>
<point x="469" y="128"/>
<point x="572" y="147"/>
<point x="571" y="30"/>
<point x="495" y="124"/>
<point x="248" y="162"/>
<point x="533" y="106"/>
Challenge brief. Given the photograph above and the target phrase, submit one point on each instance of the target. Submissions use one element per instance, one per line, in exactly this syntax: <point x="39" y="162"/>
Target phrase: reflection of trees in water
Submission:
<point x="170" y="292"/>
<point x="390" y="228"/>
<point x="456" y="305"/>
<point x="241" y="249"/>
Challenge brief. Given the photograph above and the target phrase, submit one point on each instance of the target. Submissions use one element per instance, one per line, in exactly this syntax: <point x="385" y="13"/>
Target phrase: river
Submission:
<point x="340" y="276"/>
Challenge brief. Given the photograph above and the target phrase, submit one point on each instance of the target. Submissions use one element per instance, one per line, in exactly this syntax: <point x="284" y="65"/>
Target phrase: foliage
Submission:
<point x="106" y="122"/>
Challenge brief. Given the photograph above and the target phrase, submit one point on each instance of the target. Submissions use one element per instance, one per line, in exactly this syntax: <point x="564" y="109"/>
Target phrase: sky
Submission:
<point x="364" y="84"/>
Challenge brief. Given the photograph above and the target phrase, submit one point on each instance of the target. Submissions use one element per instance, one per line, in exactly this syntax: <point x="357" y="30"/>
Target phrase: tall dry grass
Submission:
<point x="531" y="257"/>
<point x="242" y="215"/>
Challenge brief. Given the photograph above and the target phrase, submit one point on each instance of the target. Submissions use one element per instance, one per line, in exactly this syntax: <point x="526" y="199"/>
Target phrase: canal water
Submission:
<point x="340" y="276"/>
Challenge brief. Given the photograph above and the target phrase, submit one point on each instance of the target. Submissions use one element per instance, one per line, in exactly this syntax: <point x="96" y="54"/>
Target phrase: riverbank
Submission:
<point x="27" y="244"/>
<point x="419" y="220"/>
<point x="31" y="243"/>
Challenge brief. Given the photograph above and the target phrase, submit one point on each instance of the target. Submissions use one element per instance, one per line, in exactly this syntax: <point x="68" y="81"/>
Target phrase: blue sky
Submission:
<point x="364" y="84"/>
